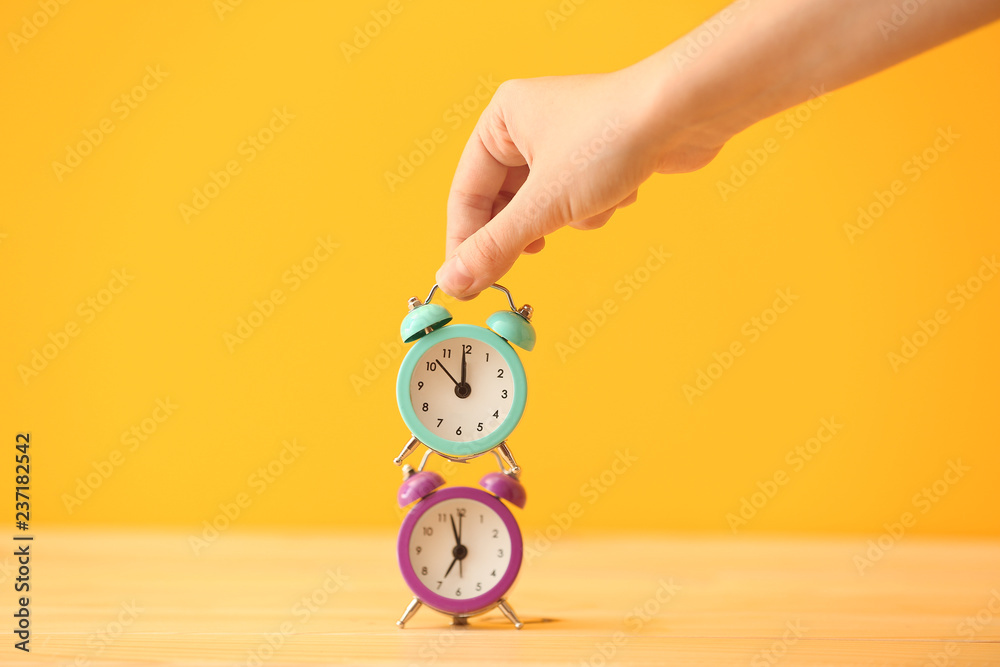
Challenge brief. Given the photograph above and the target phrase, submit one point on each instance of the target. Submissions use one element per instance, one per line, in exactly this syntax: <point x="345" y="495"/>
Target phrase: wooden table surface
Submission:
<point x="139" y="597"/>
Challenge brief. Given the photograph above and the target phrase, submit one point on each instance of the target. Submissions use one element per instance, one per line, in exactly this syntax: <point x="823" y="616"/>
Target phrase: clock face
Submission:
<point x="461" y="548"/>
<point x="462" y="389"/>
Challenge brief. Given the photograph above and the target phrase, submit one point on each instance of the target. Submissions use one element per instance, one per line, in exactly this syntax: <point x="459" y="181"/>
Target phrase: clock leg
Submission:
<point x="508" y="458"/>
<point x="411" y="609"/>
<point x="509" y="613"/>
<point x="407" y="450"/>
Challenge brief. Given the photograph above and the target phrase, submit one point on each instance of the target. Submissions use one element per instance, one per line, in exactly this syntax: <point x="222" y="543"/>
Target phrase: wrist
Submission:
<point x="722" y="77"/>
<point x="685" y="119"/>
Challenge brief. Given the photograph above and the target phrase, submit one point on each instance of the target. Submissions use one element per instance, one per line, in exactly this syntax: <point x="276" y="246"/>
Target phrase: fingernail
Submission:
<point x="453" y="277"/>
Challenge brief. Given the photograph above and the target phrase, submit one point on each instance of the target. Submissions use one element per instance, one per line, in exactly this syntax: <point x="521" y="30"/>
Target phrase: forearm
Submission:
<point x="759" y="57"/>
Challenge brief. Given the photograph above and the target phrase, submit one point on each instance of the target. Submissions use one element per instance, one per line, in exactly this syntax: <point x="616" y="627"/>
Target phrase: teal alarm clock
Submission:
<point x="462" y="389"/>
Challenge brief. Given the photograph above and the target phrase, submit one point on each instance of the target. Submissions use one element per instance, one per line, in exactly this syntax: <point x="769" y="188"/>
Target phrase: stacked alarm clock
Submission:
<point x="461" y="391"/>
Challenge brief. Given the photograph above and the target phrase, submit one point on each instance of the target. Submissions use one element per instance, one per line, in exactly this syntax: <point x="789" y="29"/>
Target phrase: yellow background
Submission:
<point x="323" y="175"/>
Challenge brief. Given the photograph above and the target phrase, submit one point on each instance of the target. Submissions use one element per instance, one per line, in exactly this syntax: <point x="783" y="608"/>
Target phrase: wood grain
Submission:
<point x="116" y="597"/>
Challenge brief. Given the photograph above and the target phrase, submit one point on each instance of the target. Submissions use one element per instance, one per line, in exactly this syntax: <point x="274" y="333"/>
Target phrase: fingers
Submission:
<point x="534" y="246"/>
<point x="474" y="190"/>
<point x="487" y="223"/>
<point x="493" y="248"/>
<point x="515" y="179"/>
<point x="599" y="220"/>
<point x="594" y="221"/>
<point x="490" y="165"/>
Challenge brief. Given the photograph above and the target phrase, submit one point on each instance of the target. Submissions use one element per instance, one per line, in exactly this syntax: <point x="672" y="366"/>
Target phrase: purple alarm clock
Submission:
<point x="460" y="548"/>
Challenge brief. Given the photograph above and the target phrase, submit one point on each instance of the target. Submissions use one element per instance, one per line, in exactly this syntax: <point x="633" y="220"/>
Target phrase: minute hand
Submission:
<point x="441" y="366"/>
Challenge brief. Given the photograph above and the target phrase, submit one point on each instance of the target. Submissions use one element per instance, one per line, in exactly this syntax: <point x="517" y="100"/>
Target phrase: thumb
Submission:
<point x="489" y="253"/>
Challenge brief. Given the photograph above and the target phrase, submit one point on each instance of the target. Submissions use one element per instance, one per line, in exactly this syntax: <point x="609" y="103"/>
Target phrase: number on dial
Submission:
<point x="485" y="553"/>
<point x="456" y="405"/>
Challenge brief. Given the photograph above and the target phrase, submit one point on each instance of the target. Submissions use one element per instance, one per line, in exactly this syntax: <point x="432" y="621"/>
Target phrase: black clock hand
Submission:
<point x="441" y="366"/>
<point x="459" y="551"/>
<point x="463" y="364"/>
<point x="462" y="389"/>
<point x="460" y="515"/>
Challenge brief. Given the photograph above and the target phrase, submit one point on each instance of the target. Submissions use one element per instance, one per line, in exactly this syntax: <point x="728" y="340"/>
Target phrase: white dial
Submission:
<point x="461" y="389"/>
<point x="460" y="548"/>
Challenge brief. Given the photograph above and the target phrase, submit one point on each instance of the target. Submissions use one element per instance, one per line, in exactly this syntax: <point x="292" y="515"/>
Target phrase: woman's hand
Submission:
<point x="552" y="152"/>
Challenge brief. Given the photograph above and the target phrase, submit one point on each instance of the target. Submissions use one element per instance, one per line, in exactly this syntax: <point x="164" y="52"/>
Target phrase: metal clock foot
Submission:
<point x="407" y="450"/>
<point x="508" y="458"/>
<point x="411" y="609"/>
<point x="459" y="620"/>
<point x="509" y="613"/>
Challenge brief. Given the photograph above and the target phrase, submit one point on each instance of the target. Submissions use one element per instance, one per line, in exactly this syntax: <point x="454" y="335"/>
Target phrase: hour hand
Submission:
<point x="441" y="366"/>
